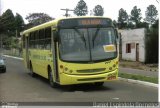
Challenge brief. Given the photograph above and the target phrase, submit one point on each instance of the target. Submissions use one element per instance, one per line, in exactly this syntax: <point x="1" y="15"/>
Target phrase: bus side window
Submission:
<point x="36" y="39"/>
<point x="30" y="43"/>
<point x="23" y="41"/>
<point x="48" y="38"/>
<point x="41" y="39"/>
<point x="33" y="40"/>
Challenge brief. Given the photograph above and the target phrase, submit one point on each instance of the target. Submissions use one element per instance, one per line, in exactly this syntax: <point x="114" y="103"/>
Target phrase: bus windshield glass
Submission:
<point x="87" y="44"/>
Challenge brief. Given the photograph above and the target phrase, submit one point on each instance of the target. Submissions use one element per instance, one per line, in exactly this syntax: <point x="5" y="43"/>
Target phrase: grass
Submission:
<point x="139" y="77"/>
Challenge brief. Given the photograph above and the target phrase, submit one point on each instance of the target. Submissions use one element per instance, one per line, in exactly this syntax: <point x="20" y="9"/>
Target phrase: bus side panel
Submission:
<point x="44" y="62"/>
<point x="41" y="60"/>
<point x="24" y="58"/>
<point x="35" y="59"/>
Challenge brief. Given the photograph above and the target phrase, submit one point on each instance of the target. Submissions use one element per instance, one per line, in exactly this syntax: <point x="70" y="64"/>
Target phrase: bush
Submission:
<point x="152" y="46"/>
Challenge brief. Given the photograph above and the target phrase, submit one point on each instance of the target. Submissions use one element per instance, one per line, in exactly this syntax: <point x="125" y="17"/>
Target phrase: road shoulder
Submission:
<point x="138" y="82"/>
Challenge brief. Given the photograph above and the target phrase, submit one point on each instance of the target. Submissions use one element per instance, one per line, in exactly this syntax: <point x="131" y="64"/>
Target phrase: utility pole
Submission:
<point x="91" y="13"/>
<point x="67" y="10"/>
<point x="0" y="7"/>
<point x="157" y="1"/>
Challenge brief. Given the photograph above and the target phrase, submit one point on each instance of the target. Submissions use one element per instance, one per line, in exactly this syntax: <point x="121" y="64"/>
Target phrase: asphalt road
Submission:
<point x="16" y="85"/>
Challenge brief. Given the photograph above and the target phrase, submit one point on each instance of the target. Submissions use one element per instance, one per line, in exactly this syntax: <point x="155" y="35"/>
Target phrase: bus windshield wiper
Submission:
<point x="81" y="35"/>
<point x="95" y="35"/>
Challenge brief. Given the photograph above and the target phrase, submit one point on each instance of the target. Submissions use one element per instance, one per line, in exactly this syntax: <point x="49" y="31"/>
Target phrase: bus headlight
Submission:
<point x="110" y="68"/>
<point x="70" y="71"/>
<point x="61" y="66"/>
<point x="114" y="65"/>
<point x="65" y="69"/>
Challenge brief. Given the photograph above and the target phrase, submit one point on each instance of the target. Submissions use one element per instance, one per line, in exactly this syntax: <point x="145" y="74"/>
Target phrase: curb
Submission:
<point x="138" y="82"/>
<point x="119" y="78"/>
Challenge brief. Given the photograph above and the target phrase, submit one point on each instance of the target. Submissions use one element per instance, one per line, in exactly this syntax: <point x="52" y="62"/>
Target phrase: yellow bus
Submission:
<point x="73" y="50"/>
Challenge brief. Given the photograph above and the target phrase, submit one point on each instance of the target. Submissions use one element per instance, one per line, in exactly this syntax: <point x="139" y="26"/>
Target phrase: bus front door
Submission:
<point x="55" y="57"/>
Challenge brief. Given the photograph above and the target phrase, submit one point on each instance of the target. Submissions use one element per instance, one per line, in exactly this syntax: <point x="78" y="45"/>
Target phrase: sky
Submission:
<point x="53" y="7"/>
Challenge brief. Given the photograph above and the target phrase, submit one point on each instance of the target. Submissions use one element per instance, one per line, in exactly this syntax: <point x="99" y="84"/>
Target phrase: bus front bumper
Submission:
<point x="67" y="79"/>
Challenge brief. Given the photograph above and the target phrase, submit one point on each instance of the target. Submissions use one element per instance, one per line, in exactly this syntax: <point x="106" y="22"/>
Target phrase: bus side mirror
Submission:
<point x="116" y="32"/>
<point x="117" y="35"/>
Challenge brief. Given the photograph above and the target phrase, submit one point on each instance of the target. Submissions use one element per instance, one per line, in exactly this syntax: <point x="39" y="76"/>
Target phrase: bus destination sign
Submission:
<point x="85" y="22"/>
<point x="90" y="22"/>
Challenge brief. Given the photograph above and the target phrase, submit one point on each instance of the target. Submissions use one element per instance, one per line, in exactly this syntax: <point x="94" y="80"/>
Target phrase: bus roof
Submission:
<point x="55" y="22"/>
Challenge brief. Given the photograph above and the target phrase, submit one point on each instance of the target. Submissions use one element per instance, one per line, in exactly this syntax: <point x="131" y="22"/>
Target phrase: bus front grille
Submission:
<point x="91" y="70"/>
<point x="91" y="79"/>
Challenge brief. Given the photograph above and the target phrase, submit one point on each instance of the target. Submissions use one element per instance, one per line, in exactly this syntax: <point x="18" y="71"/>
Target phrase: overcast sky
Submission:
<point x="52" y="7"/>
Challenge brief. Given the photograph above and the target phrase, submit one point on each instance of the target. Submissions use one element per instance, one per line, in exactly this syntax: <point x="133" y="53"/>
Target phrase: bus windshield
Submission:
<point x="87" y="44"/>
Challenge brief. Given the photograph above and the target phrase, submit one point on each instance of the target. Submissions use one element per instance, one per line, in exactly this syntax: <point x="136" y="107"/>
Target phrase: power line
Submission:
<point x="67" y="10"/>
<point x="157" y="1"/>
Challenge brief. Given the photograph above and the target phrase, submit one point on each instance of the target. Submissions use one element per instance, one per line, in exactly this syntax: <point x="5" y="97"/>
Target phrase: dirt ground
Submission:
<point x="138" y="65"/>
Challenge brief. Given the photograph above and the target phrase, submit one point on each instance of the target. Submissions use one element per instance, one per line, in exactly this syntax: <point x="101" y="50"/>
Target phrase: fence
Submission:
<point x="12" y="52"/>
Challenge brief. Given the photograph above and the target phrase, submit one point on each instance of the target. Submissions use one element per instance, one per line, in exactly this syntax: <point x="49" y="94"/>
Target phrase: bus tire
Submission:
<point x="99" y="83"/>
<point x="31" y="70"/>
<point x="50" y="78"/>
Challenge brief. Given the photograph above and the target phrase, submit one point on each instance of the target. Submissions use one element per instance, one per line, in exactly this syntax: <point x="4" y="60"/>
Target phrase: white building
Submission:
<point x="133" y="44"/>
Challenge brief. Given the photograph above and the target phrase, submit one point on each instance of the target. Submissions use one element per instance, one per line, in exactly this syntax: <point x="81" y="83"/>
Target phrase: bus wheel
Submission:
<point x="50" y="77"/>
<point x="31" y="71"/>
<point x="99" y="83"/>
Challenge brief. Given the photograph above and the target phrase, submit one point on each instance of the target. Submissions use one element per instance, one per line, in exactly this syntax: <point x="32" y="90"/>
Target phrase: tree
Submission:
<point x="136" y="15"/>
<point x="7" y="27"/>
<point x="19" y="24"/>
<point x="38" y="18"/>
<point x="142" y="25"/>
<point x="98" y="10"/>
<point x="81" y="8"/>
<point x="122" y="18"/>
<point x="155" y="25"/>
<point x="7" y="21"/>
<point x="1" y="25"/>
<point x="151" y="14"/>
<point x="152" y="45"/>
<point x="130" y="25"/>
